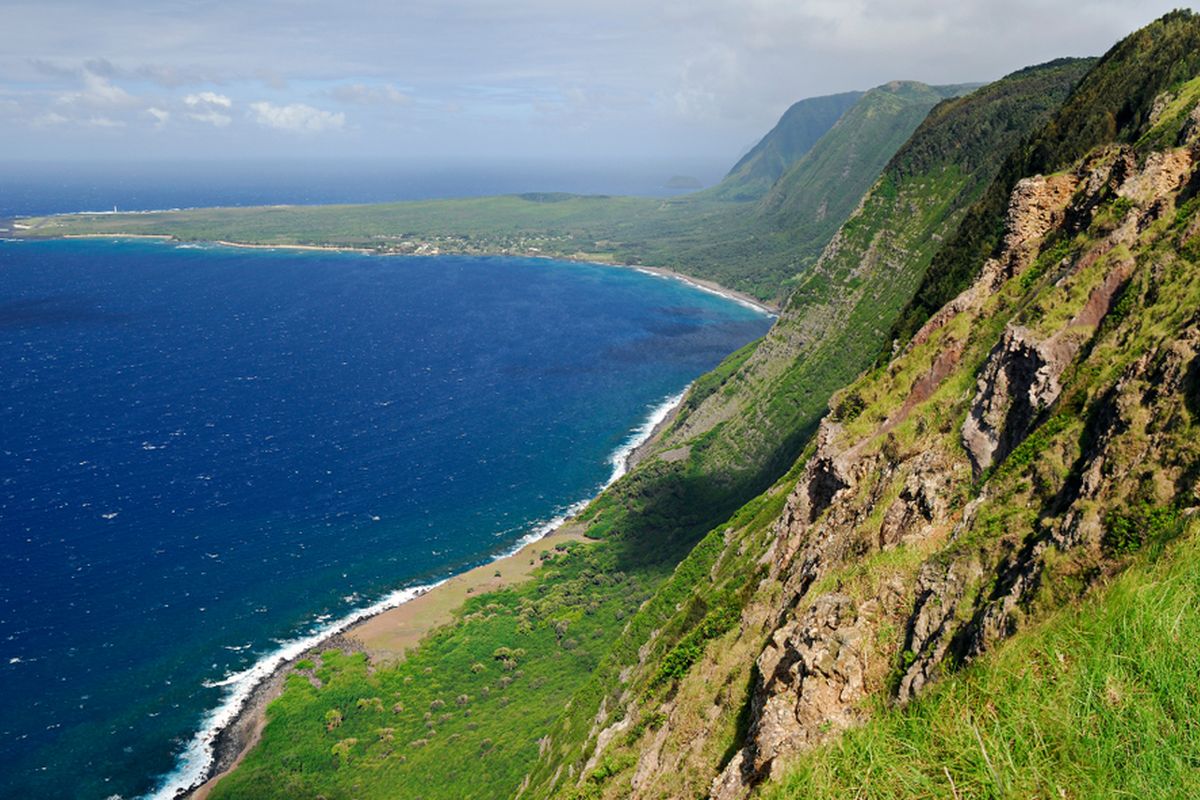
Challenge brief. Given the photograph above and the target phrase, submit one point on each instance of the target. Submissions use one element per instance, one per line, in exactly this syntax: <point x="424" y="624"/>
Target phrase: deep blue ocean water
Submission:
<point x="205" y="452"/>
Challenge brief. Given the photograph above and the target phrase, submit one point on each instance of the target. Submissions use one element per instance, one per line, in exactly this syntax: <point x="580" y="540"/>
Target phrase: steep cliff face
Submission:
<point x="1077" y="446"/>
<point x="800" y="127"/>
<point x="646" y="725"/>
<point x="1025" y="443"/>
<point x="766" y="404"/>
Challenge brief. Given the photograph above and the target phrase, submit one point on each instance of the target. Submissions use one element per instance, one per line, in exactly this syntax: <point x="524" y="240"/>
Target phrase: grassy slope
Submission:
<point x="694" y="607"/>
<point x="796" y="132"/>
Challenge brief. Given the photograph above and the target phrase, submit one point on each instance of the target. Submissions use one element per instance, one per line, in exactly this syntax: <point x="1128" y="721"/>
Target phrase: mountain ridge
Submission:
<point x="798" y="129"/>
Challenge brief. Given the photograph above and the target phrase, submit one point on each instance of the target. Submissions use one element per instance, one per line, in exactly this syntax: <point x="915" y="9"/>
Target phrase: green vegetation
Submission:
<point x="461" y="717"/>
<point x="695" y="608"/>
<point x="1098" y="701"/>
<point x="1113" y="103"/>
<point x="800" y="127"/>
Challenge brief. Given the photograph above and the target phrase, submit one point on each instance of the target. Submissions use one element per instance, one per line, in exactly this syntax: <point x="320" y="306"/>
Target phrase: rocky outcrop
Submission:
<point x="1037" y="206"/>
<point x="813" y="673"/>
<point x="923" y="502"/>
<point x="812" y="679"/>
<point x="1018" y="383"/>
<point x="1020" y="380"/>
<point x="939" y="593"/>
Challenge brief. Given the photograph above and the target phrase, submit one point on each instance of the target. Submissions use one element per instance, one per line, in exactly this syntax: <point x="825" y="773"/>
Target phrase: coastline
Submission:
<point x="703" y="284"/>
<point x="712" y="287"/>
<point x="386" y="630"/>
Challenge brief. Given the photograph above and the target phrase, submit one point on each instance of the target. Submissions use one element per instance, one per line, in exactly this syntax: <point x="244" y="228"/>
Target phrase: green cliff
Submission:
<point x="800" y="127"/>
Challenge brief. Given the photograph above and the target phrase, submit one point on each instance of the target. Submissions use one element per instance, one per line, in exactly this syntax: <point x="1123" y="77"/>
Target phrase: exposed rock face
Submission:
<point x="921" y="503"/>
<point x="939" y="593"/>
<point x="1021" y="377"/>
<point x="1038" y="205"/>
<point x="1018" y="383"/>
<point x="812" y="678"/>
<point x="813" y="672"/>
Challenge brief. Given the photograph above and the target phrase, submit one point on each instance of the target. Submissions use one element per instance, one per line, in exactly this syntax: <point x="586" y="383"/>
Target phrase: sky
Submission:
<point x="484" y="79"/>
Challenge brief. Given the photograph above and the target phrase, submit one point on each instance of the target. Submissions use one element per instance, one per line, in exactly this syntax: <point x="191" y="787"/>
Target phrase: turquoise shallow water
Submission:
<point x="208" y="452"/>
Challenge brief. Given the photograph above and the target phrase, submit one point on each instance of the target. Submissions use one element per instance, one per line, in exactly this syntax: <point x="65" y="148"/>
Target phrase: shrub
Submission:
<point x="341" y="750"/>
<point x="370" y="704"/>
<point x="849" y="406"/>
<point x="1127" y="531"/>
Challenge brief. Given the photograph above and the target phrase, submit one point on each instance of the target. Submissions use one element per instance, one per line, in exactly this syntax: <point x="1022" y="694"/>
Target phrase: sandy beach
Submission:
<point x="329" y="248"/>
<point x="710" y="286"/>
<point x="387" y="636"/>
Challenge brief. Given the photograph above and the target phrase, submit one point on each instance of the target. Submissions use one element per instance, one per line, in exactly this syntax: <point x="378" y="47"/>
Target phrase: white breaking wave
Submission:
<point x="620" y="457"/>
<point x="197" y="758"/>
<point x="196" y="761"/>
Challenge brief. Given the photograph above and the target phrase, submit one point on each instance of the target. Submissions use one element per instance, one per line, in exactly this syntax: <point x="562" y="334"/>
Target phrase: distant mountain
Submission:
<point x="798" y="129"/>
<point x="823" y="187"/>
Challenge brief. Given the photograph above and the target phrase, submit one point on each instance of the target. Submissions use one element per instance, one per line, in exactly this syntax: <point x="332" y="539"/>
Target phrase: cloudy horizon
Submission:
<point x="528" y="79"/>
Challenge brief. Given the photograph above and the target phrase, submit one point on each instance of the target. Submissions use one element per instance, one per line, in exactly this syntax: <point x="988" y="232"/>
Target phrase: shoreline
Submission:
<point x="703" y="284"/>
<point x="385" y="630"/>
<point x="712" y="287"/>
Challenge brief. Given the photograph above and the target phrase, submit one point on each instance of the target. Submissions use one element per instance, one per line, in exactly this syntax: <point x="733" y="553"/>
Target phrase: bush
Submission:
<point x="1127" y="531"/>
<point x="370" y="704"/>
<point x="341" y="750"/>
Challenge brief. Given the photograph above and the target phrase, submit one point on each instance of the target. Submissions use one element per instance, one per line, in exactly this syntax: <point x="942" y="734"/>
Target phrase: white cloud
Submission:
<point x="48" y="119"/>
<point x="98" y="92"/>
<point x="208" y="99"/>
<point x="214" y="118"/>
<point x="161" y="116"/>
<point x="105" y="122"/>
<point x="363" y="95"/>
<point x="297" y="117"/>
<point x="209" y="107"/>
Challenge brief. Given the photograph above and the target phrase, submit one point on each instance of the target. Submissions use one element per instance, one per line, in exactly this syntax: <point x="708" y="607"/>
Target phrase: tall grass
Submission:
<point x="1100" y="701"/>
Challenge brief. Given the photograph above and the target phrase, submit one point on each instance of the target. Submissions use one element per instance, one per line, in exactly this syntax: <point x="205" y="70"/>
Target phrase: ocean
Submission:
<point x="207" y="454"/>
